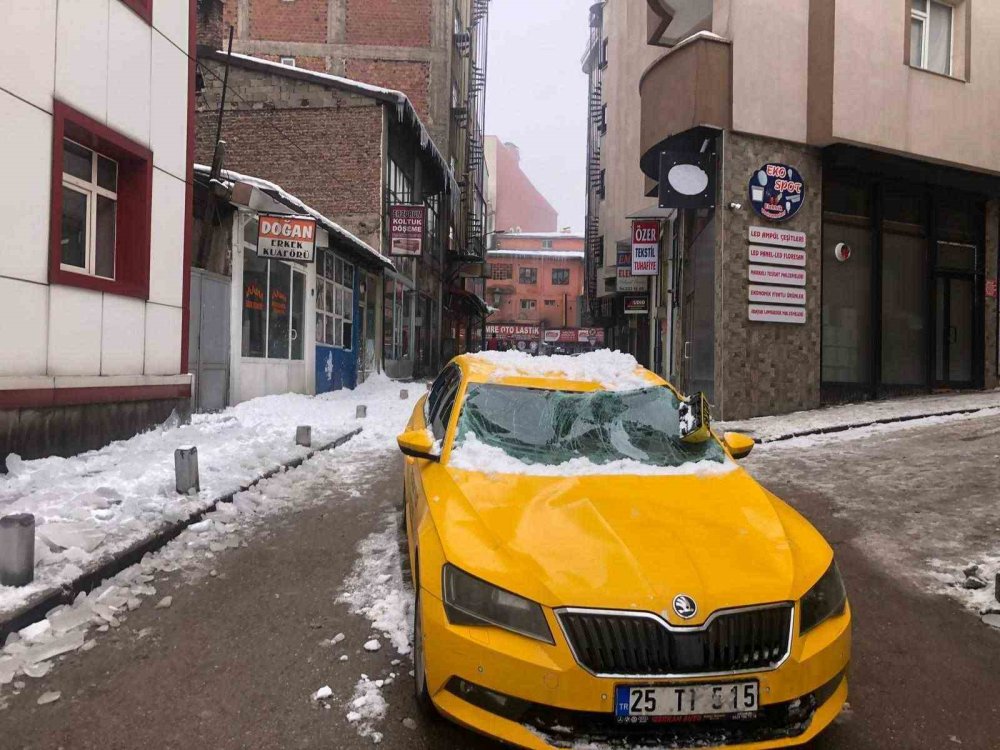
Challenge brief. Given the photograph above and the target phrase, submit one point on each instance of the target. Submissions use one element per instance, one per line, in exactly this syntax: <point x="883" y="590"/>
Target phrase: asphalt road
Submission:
<point x="232" y="663"/>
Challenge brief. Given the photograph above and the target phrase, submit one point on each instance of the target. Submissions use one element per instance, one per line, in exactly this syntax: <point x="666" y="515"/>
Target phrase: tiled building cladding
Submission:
<point x="384" y="42"/>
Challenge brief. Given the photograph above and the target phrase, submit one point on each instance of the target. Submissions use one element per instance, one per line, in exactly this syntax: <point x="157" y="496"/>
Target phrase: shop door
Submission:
<point x="955" y="330"/>
<point x="368" y="356"/>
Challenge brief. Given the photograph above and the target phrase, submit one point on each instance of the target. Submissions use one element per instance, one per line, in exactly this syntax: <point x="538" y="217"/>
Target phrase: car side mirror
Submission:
<point x="418" y="444"/>
<point x="694" y="421"/>
<point x="739" y="445"/>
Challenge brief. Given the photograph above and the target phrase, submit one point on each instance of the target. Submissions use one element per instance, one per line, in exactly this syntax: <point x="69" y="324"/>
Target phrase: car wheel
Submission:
<point x="423" y="697"/>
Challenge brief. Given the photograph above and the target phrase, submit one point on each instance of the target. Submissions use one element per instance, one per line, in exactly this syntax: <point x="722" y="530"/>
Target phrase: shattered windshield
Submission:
<point x="551" y="427"/>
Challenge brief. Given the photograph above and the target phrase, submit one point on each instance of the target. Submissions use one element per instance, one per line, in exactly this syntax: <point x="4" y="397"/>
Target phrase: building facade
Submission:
<point x="518" y="206"/>
<point x="433" y="51"/>
<point x="96" y="104"/>
<point x="850" y="248"/>
<point x="536" y="280"/>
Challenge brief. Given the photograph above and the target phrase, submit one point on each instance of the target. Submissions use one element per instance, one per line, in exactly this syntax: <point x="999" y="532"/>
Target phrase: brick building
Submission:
<point x="433" y="51"/>
<point x="536" y="279"/>
<point x="518" y="204"/>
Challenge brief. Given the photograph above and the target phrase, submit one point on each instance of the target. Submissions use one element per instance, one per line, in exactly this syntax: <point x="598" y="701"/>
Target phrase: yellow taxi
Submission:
<point x="591" y="565"/>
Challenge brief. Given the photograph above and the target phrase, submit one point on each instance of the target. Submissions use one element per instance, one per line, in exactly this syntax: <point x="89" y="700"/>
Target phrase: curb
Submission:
<point x="860" y="425"/>
<point x="90" y="580"/>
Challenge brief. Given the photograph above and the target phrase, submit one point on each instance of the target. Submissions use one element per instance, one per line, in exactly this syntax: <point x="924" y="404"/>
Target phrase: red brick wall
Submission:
<point x="278" y="20"/>
<point x="308" y="63"/>
<point x="339" y="173"/>
<point x="412" y="78"/>
<point x="397" y="23"/>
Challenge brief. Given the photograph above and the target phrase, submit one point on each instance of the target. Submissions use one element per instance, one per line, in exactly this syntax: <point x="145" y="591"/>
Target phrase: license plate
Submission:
<point x="639" y="703"/>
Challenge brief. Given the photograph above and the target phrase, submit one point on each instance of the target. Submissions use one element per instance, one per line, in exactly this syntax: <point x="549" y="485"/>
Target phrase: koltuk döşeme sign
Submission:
<point x="777" y="191"/>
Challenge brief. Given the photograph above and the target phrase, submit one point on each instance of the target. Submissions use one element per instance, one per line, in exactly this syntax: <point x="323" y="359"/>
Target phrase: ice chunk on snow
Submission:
<point x="50" y="697"/>
<point x="35" y="631"/>
<point x="165" y="602"/>
<point x="67" y="535"/>
<point x="323" y="693"/>
<point x="60" y="645"/>
<point x="372" y="645"/>
<point x="37" y="670"/>
<point x="70" y="618"/>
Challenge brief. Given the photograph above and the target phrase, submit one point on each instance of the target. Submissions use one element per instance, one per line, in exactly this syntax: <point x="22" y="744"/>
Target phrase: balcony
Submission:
<point x="669" y="22"/>
<point x="685" y="94"/>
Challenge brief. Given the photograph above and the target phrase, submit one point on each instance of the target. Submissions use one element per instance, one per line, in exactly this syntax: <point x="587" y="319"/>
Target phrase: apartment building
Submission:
<point x="96" y="105"/>
<point x="518" y="206"/>
<point x="844" y="245"/>
<point x="434" y="52"/>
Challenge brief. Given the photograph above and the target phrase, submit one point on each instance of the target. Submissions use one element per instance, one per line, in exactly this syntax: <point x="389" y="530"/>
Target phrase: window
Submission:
<point x="528" y="304"/>
<point x="600" y="184"/>
<point x="501" y="271"/>
<point x="273" y="303"/>
<point x="560" y="276"/>
<point x="546" y="244"/>
<point x="602" y="125"/>
<point x="441" y="400"/>
<point x="89" y="207"/>
<point x="288" y="61"/>
<point x="100" y="207"/>
<point x="334" y="300"/>
<point x="604" y="54"/>
<point x="550" y="303"/>
<point x="931" y="31"/>
<point x="527" y="275"/>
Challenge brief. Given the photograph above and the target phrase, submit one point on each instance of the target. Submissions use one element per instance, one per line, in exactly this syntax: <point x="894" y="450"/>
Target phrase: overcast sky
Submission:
<point x="536" y="95"/>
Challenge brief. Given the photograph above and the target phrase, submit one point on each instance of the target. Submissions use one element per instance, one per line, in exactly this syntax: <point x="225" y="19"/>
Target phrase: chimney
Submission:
<point x="512" y="147"/>
<point x="212" y="31"/>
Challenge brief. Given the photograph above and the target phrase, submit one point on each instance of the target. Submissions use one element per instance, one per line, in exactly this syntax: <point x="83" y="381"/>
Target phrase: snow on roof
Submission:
<point x="404" y="107"/>
<point x="545" y="235"/>
<point x="612" y="370"/>
<point x="277" y="192"/>
<point x="541" y="253"/>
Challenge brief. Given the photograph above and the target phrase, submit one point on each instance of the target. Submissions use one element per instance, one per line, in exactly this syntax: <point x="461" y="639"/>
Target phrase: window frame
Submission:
<point x="546" y="244"/>
<point x="345" y="292"/>
<point x="134" y="204"/>
<point x="924" y="17"/>
<point x="91" y="190"/>
<point x="288" y="60"/>
<point x="564" y="273"/>
<point x="523" y="271"/>
<point x="528" y="304"/>
<point x="501" y="271"/>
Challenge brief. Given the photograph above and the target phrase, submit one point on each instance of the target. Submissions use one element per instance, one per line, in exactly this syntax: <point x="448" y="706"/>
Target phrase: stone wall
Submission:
<point x="764" y="368"/>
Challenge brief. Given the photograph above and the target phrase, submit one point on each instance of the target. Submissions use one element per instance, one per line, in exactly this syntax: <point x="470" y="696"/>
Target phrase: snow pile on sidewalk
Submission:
<point x="94" y="505"/>
<point x="367" y="707"/>
<point x="614" y="370"/>
<point x="853" y="415"/>
<point x="471" y="454"/>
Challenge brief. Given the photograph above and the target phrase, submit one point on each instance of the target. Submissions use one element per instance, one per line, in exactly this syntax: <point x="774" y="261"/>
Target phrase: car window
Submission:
<point x="438" y="388"/>
<point x="440" y="412"/>
<point x="551" y="427"/>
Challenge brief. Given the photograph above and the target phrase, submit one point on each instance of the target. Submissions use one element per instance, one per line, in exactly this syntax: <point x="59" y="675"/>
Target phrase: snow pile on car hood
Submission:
<point x="471" y="454"/>
<point x="614" y="370"/>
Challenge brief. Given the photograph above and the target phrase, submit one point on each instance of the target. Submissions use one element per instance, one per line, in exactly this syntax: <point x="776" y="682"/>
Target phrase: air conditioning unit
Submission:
<point x="463" y="40"/>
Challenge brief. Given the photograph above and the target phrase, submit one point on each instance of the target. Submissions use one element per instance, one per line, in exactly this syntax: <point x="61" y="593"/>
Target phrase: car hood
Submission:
<point x="632" y="542"/>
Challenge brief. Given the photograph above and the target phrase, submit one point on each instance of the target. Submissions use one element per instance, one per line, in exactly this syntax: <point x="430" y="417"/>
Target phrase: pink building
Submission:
<point x="518" y="204"/>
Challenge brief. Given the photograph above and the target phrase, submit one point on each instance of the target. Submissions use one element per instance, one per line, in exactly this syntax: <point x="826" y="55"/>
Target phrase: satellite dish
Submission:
<point x="688" y="179"/>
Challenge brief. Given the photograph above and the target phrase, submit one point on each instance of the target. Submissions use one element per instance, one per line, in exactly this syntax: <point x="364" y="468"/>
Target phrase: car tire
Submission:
<point x="424" y="702"/>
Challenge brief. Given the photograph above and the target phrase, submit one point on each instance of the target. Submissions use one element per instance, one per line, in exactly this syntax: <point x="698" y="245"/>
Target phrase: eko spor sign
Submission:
<point x="286" y="237"/>
<point x="645" y="247"/>
<point x="406" y="229"/>
<point x="777" y="191"/>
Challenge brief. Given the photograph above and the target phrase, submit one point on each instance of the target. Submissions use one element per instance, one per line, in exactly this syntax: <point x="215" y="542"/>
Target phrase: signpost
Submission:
<point x="645" y="247"/>
<point x="287" y="237"/>
<point x="406" y="229"/>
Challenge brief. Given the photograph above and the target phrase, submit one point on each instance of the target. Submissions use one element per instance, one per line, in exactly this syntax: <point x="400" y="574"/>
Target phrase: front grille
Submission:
<point x="635" y="645"/>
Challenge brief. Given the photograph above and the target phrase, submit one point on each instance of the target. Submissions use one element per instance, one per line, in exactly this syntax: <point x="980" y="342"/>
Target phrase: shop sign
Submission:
<point x="779" y="256"/>
<point x="778" y="237"/>
<point x="777" y="295"/>
<point x="777" y="191"/>
<point x="645" y="247"/>
<point x="687" y="179"/>
<point x="773" y="275"/>
<point x="777" y="314"/>
<point x="625" y="281"/>
<point x="574" y="336"/>
<point x="524" y="332"/>
<point x="636" y="304"/>
<point x="991" y="288"/>
<point x="286" y="237"/>
<point x="406" y="229"/>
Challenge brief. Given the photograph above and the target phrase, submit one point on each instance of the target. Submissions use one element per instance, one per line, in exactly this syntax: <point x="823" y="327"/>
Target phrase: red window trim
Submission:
<point x="142" y="8"/>
<point x="135" y="191"/>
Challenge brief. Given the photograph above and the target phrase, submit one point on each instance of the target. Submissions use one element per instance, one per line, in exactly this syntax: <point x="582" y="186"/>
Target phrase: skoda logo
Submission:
<point x="684" y="606"/>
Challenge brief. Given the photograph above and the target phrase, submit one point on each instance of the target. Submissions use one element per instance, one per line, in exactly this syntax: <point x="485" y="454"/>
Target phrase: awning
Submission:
<point x="466" y="303"/>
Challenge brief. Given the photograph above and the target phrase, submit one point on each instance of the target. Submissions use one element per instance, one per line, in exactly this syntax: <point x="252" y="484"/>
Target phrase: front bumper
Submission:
<point x="536" y="696"/>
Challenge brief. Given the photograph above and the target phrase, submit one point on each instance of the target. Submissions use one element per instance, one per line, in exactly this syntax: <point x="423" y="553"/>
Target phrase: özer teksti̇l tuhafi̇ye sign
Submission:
<point x="287" y="237"/>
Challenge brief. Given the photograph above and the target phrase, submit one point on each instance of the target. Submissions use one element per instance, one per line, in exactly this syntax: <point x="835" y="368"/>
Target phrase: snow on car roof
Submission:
<point x="610" y="370"/>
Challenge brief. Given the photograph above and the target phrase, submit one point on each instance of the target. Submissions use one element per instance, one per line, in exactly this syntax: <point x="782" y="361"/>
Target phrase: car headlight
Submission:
<point x="471" y="601"/>
<point x="826" y="599"/>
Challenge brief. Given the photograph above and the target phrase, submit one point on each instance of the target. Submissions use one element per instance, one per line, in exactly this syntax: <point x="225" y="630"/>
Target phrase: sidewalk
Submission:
<point x="91" y="508"/>
<point x="851" y="416"/>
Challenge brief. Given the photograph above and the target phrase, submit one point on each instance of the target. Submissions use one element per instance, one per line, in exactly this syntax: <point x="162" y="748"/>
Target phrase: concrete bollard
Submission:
<point x="17" y="549"/>
<point x="186" y="470"/>
<point x="403" y="394"/>
<point x="303" y="436"/>
<point x="361" y="412"/>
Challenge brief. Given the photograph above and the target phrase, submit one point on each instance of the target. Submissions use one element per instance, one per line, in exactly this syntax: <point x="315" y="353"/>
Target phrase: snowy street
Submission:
<point x="235" y="645"/>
